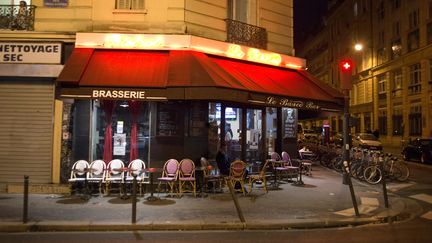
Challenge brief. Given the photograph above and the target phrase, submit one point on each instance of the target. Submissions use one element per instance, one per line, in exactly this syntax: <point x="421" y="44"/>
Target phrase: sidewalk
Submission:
<point x="322" y="202"/>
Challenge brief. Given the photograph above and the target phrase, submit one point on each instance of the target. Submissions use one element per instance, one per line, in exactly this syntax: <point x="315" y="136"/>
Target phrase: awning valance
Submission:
<point x="189" y="75"/>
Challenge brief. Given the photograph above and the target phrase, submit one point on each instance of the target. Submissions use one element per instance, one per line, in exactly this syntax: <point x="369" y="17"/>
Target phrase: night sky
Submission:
<point x="308" y="16"/>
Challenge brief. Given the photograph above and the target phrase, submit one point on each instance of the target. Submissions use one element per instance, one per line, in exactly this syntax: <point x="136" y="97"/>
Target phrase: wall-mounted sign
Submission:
<point x="119" y="145"/>
<point x="289" y="116"/>
<point x="299" y="104"/>
<point x="185" y="42"/>
<point x="118" y="94"/>
<point x="30" y="52"/>
<point x="56" y="3"/>
<point x="253" y="55"/>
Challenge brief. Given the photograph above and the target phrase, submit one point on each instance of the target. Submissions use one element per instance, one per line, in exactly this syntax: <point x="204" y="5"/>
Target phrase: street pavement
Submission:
<point x="323" y="201"/>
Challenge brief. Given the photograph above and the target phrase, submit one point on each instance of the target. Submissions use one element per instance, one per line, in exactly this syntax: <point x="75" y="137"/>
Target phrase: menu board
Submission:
<point x="198" y="119"/>
<point x="168" y="120"/>
<point x="289" y="122"/>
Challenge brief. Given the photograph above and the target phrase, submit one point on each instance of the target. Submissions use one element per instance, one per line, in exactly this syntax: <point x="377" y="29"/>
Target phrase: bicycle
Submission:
<point x="373" y="174"/>
<point x="396" y="169"/>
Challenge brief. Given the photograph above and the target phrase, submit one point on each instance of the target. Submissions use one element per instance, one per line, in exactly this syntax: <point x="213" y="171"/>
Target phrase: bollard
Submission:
<point x="25" y="209"/>
<point x="351" y="188"/>
<point x="384" y="185"/>
<point x="236" y="203"/>
<point x="134" y="199"/>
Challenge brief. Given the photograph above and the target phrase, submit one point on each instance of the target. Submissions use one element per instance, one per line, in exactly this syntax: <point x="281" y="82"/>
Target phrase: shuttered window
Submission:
<point x="130" y="4"/>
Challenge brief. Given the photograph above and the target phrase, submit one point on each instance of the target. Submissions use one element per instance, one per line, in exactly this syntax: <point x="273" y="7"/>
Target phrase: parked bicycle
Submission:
<point x="393" y="169"/>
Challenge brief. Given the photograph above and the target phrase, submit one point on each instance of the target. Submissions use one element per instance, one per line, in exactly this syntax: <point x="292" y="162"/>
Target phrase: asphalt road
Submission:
<point x="413" y="231"/>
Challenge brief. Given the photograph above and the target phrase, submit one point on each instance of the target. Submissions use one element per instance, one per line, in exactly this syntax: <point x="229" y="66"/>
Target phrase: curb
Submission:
<point x="91" y="226"/>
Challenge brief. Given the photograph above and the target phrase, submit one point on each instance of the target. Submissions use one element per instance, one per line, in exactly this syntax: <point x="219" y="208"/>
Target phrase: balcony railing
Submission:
<point x="16" y="17"/>
<point x="246" y="34"/>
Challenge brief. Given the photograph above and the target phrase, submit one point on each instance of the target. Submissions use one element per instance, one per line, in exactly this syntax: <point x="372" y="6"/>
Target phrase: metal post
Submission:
<point x="346" y="152"/>
<point x="236" y="203"/>
<point x="384" y="185"/>
<point x="134" y="199"/>
<point x="25" y="209"/>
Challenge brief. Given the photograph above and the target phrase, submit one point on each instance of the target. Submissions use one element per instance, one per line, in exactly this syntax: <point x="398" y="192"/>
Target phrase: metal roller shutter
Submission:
<point x="26" y="130"/>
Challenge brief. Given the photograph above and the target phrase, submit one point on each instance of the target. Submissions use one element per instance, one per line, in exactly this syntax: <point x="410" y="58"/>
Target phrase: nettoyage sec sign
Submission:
<point x="26" y="52"/>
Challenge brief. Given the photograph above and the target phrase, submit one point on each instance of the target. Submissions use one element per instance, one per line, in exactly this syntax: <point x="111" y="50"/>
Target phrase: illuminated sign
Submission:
<point x="186" y="42"/>
<point x="134" y="41"/>
<point x="292" y="103"/>
<point x="235" y="51"/>
<point x="267" y="58"/>
<point x="254" y="55"/>
<point x="118" y="94"/>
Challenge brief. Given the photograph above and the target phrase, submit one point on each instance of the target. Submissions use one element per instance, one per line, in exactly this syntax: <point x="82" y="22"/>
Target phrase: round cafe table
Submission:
<point x="87" y="192"/>
<point x="124" y="195"/>
<point x="151" y="172"/>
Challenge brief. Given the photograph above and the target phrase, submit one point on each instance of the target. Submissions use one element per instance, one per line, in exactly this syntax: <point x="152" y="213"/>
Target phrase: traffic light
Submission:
<point x="345" y="71"/>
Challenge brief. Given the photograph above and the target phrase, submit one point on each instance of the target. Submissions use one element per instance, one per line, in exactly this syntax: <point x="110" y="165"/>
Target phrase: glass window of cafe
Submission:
<point x="164" y="130"/>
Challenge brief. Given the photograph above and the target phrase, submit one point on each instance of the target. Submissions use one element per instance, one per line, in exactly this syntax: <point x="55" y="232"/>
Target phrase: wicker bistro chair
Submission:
<point x="78" y="175"/>
<point x="187" y="176"/>
<point x="292" y="170"/>
<point x="279" y="166"/>
<point x="306" y="163"/>
<point x="137" y="168"/>
<point x="169" y="175"/>
<point x="96" y="174"/>
<point x="114" y="175"/>
<point x="237" y="174"/>
<point x="261" y="176"/>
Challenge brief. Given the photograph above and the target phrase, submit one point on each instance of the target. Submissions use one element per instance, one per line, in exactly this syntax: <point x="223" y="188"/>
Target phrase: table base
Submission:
<point x="152" y="198"/>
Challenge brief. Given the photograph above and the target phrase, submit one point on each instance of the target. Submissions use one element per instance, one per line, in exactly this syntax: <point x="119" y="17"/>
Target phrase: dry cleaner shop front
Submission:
<point x="156" y="97"/>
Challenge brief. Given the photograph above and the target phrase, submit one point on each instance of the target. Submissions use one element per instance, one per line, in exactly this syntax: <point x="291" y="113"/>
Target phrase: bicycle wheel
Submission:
<point x="372" y="174"/>
<point x="401" y="172"/>
<point x="360" y="172"/>
<point x="353" y="169"/>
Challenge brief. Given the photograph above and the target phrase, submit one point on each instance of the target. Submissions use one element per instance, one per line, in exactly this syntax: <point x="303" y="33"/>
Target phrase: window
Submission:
<point x="381" y="37"/>
<point x="414" y="86"/>
<point x="429" y="33"/>
<point x="413" y="40"/>
<point x="238" y="10"/>
<point x="396" y="29"/>
<point x="430" y="74"/>
<point x="14" y="2"/>
<point x="395" y="4"/>
<point x="381" y="56"/>
<point x="130" y="4"/>
<point x="430" y="9"/>
<point x="415" y="121"/>
<point x="381" y="11"/>
<point x="355" y="9"/>
<point x="397" y="120"/>
<point x="382" y="87"/>
<point x="397" y="83"/>
<point x="413" y="19"/>
<point x="382" y="121"/>
<point x="396" y="49"/>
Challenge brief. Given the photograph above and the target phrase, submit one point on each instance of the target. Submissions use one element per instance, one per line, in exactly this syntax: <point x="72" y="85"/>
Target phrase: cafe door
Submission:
<point x="233" y="132"/>
<point x="253" y="135"/>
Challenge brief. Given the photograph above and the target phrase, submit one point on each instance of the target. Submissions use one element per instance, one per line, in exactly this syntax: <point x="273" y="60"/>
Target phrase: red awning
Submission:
<point x="192" y="75"/>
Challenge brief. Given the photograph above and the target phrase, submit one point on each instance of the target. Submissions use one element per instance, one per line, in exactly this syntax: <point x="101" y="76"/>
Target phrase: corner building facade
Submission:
<point x="148" y="78"/>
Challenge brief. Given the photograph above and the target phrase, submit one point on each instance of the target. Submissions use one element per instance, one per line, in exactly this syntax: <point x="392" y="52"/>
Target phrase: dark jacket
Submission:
<point x="223" y="163"/>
